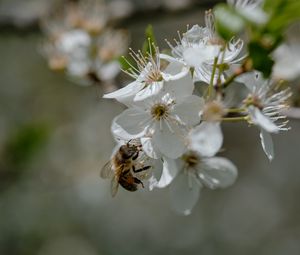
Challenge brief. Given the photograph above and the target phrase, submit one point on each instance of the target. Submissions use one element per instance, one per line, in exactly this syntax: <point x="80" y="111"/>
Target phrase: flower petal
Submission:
<point x="217" y="172"/>
<point x="256" y="15"/>
<point x="284" y="55"/>
<point x="184" y="193"/>
<point x="195" y="57"/>
<point x="120" y="134"/>
<point x="149" y="147"/>
<point x="169" y="139"/>
<point x="261" y="120"/>
<point x="175" y="70"/>
<point x="267" y="144"/>
<point x="134" y="121"/>
<point x="206" y="139"/>
<point x="252" y="80"/>
<point x="180" y="88"/>
<point x="149" y="90"/>
<point x="170" y="170"/>
<point x="125" y="95"/>
<point x="188" y="111"/>
<point x="157" y="170"/>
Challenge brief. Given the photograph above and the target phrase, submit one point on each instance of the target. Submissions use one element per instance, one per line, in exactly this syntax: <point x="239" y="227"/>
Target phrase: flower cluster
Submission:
<point x="80" y="43"/>
<point x="179" y="126"/>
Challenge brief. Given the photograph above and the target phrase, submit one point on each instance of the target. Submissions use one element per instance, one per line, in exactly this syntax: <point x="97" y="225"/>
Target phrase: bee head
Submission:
<point x="129" y="150"/>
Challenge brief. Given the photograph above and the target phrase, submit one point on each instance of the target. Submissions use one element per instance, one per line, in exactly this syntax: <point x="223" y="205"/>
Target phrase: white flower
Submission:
<point x="79" y="43"/>
<point x="149" y="78"/>
<point x="265" y="106"/>
<point x="287" y="62"/>
<point x="165" y="118"/>
<point x="250" y="9"/>
<point x="73" y="40"/>
<point x="199" y="47"/>
<point x="196" y="168"/>
<point x="110" y="45"/>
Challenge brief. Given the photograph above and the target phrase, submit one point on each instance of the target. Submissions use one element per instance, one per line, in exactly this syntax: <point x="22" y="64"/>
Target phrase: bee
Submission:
<point x="122" y="167"/>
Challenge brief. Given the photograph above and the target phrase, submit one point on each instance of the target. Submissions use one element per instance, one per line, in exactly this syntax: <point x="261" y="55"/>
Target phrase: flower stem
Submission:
<point x="230" y="80"/>
<point x="211" y="84"/>
<point x="236" y="110"/>
<point x="236" y="119"/>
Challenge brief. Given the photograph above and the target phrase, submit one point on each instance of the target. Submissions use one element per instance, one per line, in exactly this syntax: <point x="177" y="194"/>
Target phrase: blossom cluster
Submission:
<point x="179" y="125"/>
<point x="80" y="42"/>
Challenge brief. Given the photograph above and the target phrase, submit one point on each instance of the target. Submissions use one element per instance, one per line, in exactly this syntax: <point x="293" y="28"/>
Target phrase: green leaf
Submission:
<point x="283" y="13"/>
<point x="261" y="59"/>
<point x="150" y="42"/>
<point x="228" y="21"/>
<point x="25" y="143"/>
<point x="126" y="63"/>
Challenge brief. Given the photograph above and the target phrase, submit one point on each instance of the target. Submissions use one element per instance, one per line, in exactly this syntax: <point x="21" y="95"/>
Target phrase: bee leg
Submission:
<point x="126" y="172"/>
<point x="135" y="156"/>
<point x="141" y="169"/>
<point x="137" y="181"/>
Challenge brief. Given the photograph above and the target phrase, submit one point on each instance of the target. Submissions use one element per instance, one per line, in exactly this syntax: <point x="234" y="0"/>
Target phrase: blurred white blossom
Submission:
<point x="250" y="9"/>
<point x="284" y="55"/>
<point x="80" y="43"/>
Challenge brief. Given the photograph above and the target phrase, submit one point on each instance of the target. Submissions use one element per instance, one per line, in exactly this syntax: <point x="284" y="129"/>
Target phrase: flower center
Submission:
<point x="213" y="111"/>
<point x="153" y="76"/>
<point x="191" y="159"/>
<point x="159" y="111"/>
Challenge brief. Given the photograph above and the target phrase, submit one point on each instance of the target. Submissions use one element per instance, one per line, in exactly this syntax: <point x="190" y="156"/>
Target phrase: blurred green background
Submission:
<point x="55" y="136"/>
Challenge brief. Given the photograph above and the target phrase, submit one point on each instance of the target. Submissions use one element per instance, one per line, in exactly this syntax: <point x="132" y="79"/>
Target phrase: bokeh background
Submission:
<point x="55" y="136"/>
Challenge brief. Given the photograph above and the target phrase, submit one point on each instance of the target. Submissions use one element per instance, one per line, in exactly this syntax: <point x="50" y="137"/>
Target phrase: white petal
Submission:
<point x="120" y="134"/>
<point x="189" y="110"/>
<point x="175" y="70"/>
<point x="256" y="15"/>
<point x="251" y="80"/>
<point x="267" y="144"/>
<point x="134" y="121"/>
<point x="180" y="88"/>
<point x="184" y="193"/>
<point x="171" y="143"/>
<point x="206" y="139"/>
<point x="259" y="119"/>
<point x="150" y="90"/>
<point x="125" y="95"/>
<point x="149" y="147"/>
<point x="217" y="172"/>
<point x="156" y="174"/>
<point x="195" y="57"/>
<point x="204" y="74"/>
<point x="284" y="55"/>
<point x="170" y="171"/>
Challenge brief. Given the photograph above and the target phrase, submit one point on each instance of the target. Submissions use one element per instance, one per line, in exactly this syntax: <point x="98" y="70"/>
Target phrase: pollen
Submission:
<point x="159" y="111"/>
<point x="153" y="76"/>
<point x="191" y="159"/>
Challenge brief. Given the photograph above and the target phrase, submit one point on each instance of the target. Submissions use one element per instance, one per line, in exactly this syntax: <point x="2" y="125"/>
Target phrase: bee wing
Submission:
<point x="114" y="186"/>
<point x="107" y="171"/>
